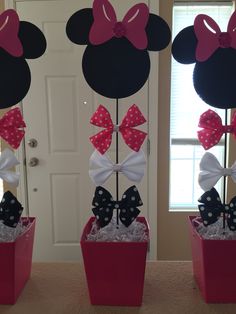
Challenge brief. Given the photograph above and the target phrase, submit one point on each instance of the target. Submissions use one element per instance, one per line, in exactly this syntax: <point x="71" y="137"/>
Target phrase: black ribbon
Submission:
<point x="10" y="210"/>
<point x="104" y="206"/>
<point x="211" y="209"/>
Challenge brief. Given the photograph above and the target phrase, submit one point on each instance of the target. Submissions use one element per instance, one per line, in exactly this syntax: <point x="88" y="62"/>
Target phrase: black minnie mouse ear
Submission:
<point x="32" y="39"/>
<point x="158" y="33"/>
<point x="78" y="26"/>
<point x="184" y="46"/>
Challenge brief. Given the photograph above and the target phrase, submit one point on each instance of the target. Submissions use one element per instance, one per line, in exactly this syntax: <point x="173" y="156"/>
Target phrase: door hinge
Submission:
<point x="148" y="147"/>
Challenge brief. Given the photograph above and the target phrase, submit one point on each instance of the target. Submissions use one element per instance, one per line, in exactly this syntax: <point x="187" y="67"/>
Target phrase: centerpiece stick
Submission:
<point x="225" y="165"/>
<point x="117" y="161"/>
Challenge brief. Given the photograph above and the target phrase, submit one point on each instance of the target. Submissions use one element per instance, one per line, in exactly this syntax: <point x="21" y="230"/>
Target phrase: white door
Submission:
<point x="57" y="111"/>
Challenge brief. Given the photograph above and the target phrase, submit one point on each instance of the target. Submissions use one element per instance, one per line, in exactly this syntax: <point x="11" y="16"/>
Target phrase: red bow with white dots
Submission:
<point x="133" y="138"/>
<point x="11" y="127"/>
<point x="213" y="129"/>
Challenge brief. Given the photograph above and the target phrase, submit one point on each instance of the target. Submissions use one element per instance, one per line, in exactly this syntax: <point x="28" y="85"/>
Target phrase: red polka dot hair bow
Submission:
<point x="213" y="129"/>
<point x="11" y="127"/>
<point x="133" y="138"/>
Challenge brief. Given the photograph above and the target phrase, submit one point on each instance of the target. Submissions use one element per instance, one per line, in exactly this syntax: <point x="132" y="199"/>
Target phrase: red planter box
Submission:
<point x="114" y="270"/>
<point x="15" y="265"/>
<point x="214" y="267"/>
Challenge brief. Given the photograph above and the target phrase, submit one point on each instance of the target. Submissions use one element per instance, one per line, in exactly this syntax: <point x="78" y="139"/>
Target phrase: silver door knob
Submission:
<point x="32" y="142"/>
<point x="33" y="162"/>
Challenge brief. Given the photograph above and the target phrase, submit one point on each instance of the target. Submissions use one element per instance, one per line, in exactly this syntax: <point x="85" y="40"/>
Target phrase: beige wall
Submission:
<point x="173" y="239"/>
<point x="1" y="5"/>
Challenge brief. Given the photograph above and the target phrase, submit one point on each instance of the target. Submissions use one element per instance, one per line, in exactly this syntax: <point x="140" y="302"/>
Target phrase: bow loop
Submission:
<point x="101" y="167"/>
<point x="7" y="161"/>
<point x="133" y="118"/>
<point x="231" y="29"/>
<point x="132" y="137"/>
<point x="211" y="208"/>
<point x="105" y="204"/>
<point x="213" y="129"/>
<point x="9" y="28"/>
<point x="11" y="127"/>
<point x="10" y="210"/>
<point x="106" y="26"/>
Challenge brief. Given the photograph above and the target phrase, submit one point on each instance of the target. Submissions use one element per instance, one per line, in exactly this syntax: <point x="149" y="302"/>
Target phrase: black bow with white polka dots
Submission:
<point x="211" y="208"/>
<point x="10" y="210"/>
<point x="104" y="206"/>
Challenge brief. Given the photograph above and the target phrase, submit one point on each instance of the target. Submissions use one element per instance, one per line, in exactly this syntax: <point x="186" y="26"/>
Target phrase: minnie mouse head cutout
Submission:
<point x="116" y="62"/>
<point x="19" y="40"/>
<point x="214" y="55"/>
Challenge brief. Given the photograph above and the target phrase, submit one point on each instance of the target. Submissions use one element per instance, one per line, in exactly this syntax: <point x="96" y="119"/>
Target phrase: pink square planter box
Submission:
<point x="115" y="270"/>
<point x="214" y="267"/>
<point x="15" y="265"/>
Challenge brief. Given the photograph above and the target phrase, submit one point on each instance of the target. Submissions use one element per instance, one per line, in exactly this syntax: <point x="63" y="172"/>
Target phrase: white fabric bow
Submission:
<point x="7" y="161"/>
<point x="211" y="171"/>
<point x="132" y="167"/>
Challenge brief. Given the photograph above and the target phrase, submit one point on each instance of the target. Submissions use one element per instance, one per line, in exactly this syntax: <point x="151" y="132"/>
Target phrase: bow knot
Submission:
<point x="119" y="30"/>
<point x="104" y="205"/>
<point x="211" y="209"/>
<point x="117" y="168"/>
<point x="213" y="129"/>
<point x="101" y="167"/>
<point x="133" y="138"/>
<point x="227" y="172"/>
<point x="224" y="40"/>
<point x="228" y="129"/>
<point x="116" y="128"/>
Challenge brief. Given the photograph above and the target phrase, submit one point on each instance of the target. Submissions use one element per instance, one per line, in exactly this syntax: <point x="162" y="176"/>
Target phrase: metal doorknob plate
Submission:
<point x="33" y="142"/>
<point x="33" y="162"/>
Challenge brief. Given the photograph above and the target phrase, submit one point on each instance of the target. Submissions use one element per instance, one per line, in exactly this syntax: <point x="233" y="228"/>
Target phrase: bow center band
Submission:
<point x="229" y="129"/>
<point x="116" y="128"/>
<point x="117" y="168"/>
<point x="119" y="30"/>
<point x="226" y="171"/>
<point x="224" y="40"/>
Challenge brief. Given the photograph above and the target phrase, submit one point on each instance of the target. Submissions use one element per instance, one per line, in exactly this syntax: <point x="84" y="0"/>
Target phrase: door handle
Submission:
<point x="33" y="143"/>
<point x="33" y="162"/>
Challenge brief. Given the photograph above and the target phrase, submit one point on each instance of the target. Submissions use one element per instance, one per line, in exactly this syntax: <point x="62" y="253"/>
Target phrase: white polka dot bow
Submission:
<point x="101" y="167"/>
<point x="133" y="138"/>
<point x="211" y="171"/>
<point x="211" y="208"/>
<point x="127" y="207"/>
